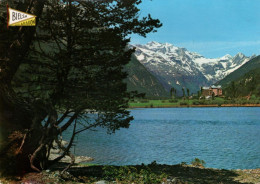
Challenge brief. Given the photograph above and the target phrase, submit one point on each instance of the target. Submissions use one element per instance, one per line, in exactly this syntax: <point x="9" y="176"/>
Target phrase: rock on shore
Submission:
<point x="55" y="153"/>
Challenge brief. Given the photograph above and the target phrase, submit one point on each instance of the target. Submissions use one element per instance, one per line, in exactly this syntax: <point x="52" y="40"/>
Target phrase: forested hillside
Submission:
<point x="141" y="80"/>
<point x="250" y="67"/>
<point x="247" y="85"/>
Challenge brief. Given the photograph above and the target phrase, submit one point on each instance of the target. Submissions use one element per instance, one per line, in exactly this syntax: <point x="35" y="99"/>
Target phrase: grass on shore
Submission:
<point x="142" y="174"/>
<point x="146" y="103"/>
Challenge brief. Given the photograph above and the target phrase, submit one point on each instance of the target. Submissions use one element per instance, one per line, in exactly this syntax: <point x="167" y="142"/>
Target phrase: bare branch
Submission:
<point x="69" y="122"/>
<point x="63" y="117"/>
<point x="33" y="156"/>
<point x="24" y="137"/>
<point x="65" y="150"/>
<point x="86" y="128"/>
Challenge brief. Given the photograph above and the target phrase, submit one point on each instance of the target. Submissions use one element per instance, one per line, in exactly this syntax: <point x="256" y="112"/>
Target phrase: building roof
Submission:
<point x="212" y="87"/>
<point x="205" y="87"/>
<point x="216" y="87"/>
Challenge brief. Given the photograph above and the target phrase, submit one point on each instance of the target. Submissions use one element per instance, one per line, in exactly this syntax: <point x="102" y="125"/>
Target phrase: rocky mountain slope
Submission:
<point x="177" y="67"/>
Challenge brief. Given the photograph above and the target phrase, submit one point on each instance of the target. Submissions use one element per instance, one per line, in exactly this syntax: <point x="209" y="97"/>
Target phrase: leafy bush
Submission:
<point x="195" y="102"/>
<point x="183" y="103"/>
<point x="226" y="102"/>
<point x="183" y="164"/>
<point x="173" y="101"/>
<point x="198" y="163"/>
<point x="130" y="174"/>
<point x="199" y="102"/>
<point x="153" y="163"/>
<point x="253" y="97"/>
<point x="243" y="102"/>
<point x="219" y="102"/>
<point x="233" y="101"/>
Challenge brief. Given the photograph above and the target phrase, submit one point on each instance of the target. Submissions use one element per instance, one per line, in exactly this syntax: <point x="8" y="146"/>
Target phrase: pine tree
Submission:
<point x="188" y="92"/>
<point x="173" y="92"/>
<point x="57" y="77"/>
<point x="199" y="94"/>
<point x="183" y="92"/>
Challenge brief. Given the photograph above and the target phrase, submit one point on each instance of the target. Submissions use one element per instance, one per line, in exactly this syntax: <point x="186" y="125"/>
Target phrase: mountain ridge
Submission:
<point x="179" y="68"/>
<point x="244" y="69"/>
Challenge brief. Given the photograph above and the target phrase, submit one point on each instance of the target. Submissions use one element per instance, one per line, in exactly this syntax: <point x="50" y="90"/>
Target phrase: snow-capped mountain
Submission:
<point x="178" y="67"/>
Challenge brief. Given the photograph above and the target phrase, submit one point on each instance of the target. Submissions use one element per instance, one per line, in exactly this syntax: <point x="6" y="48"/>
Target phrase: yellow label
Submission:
<point x="28" y="22"/>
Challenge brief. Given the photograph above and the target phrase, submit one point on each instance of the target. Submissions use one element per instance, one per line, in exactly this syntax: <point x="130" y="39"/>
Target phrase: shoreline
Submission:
<point x="195" y="106"/>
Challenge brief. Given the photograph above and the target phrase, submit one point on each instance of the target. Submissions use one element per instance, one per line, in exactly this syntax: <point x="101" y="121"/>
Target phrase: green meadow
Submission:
<point x="218" y="101"/>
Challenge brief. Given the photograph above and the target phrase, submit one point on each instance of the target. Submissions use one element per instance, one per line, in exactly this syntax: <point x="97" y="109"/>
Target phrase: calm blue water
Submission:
<point x="226" y="138"/>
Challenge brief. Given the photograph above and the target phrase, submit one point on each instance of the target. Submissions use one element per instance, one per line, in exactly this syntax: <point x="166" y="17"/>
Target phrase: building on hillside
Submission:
<point x="209" y="91"/>
<point x="217" y="90"/>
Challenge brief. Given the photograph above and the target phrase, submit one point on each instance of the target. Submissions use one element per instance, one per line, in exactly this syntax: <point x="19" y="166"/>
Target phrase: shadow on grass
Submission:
<point x="182" y="174"/>
<point x="176" y="174"/>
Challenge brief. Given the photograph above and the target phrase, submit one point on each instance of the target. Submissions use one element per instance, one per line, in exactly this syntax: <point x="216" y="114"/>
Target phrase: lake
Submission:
<point x="227" y="138"/>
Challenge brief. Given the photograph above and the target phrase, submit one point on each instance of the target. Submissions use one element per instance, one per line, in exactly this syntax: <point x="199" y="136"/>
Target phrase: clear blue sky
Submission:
<point x="212" y="28"/>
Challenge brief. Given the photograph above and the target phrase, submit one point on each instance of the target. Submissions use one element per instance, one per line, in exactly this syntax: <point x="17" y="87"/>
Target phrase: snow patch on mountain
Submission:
<point x="175" y="65"/>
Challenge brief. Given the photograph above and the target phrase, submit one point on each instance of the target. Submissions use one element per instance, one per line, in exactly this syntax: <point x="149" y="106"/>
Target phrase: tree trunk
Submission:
<point x="21" y="132"/>
<point x="18" y="139"/>
<point x="24" y="141"/>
